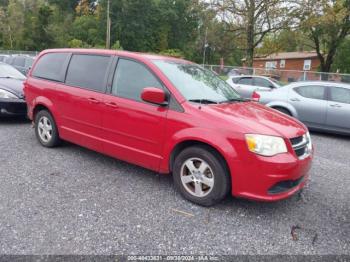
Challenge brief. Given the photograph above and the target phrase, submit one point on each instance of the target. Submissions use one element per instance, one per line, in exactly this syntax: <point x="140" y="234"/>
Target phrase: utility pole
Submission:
<point x="205" y="45"/>
<point x="108" y="38"/>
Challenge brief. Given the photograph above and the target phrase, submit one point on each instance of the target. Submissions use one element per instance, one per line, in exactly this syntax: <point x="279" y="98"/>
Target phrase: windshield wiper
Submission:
<point x="203" y="101"/>
<point x="233" y="100"/>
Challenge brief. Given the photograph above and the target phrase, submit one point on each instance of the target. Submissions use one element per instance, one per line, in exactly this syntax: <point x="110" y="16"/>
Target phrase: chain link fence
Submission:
<point x="16" y="52"/>
<point x="284" y="76"/>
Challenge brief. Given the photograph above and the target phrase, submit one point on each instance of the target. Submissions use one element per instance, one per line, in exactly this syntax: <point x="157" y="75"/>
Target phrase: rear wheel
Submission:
<point x="201" y="175"/>
<point x="46" y="129"/>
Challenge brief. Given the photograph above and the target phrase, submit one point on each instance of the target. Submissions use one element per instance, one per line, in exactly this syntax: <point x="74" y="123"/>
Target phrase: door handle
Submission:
<point x="112" y="105"/>
<point x="335" y="105"/>
<point x="93" y="100"/>
<point x="295" y="99"/>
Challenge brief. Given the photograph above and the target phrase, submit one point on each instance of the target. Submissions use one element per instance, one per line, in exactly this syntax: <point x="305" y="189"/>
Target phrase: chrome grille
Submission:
<point x="302" y="145"/>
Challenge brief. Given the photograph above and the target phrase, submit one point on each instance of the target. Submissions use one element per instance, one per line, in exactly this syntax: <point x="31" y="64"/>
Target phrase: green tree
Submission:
<point x="286" y="40"/>
<point x="252" y="20"/>
<point x="327" y="23"/>
<point x="342" y="58"/>
<point x="12" y="24"/>
<point x="117" y="45"/>
<point x="41" y="36"/>
<point x="86" y="28"/>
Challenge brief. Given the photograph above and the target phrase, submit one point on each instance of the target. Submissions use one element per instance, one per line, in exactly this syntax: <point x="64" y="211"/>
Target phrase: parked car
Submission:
<point x="21" y="62"/>
<point x="245" y="85"/>
<point x="8" y="60"/>
<point x="171" y="116"/>
<point x="2" y="58"/>
<point x="318" y="104"/>
<point x="11" y="91"/>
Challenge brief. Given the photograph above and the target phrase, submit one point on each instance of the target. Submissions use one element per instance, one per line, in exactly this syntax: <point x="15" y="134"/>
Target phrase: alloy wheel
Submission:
<point x="45" y="129"/>
<point x="197" y="177"/>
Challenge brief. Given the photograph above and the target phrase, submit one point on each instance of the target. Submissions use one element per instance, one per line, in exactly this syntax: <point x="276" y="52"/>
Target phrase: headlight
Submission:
<point x="309" y="145"/>
<point x="6" y="94"/>
<point x="265" y="145"/>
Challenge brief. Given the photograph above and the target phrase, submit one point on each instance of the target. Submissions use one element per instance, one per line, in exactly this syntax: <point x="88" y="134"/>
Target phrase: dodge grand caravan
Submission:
<point x="171" y="116"/>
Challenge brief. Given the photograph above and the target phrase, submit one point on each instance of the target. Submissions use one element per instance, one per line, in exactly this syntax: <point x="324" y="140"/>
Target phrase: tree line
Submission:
<point x="199" y="30"/>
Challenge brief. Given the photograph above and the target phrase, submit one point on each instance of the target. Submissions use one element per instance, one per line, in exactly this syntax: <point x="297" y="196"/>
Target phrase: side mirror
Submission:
<point x="154" y="95"/>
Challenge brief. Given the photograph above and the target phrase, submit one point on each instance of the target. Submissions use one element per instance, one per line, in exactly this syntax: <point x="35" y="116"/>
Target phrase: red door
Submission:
<point x="80" y="101"/>
<point x="134" y="130"/>
<point x="81" y="116"/>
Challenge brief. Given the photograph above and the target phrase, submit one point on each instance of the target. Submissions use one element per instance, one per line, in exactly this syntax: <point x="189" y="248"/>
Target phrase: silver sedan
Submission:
<point x="246" y="84"/>
<point x="319" y="105"/>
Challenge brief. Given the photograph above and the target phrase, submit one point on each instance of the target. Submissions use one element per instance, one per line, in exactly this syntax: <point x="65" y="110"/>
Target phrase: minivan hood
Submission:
<point x="14" y="86"/>
<point x="257" y="119"/>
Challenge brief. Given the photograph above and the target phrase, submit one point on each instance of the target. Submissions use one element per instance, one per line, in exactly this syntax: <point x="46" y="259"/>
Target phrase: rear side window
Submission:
<point x="130" y="78"/>
<point x="88" y="71"/>
<point x="51" y="66"/>
<point x="314" y="92"/>
<point x="19" y="61"/>
<point x="341" y="95"/>
<point x="245" y="81"/>
<point x="262" y="82"/>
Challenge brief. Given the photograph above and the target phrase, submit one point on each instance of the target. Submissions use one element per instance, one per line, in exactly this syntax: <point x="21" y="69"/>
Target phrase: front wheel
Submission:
<point x="201" y="176"/>
<point x="46" y="129"/>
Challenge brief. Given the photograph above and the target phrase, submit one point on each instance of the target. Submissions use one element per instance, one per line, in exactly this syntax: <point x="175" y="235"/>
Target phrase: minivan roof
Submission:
<point x="146" y="56"/>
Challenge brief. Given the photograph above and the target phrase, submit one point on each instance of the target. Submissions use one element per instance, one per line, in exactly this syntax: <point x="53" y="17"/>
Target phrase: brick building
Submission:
<point x="303" y="61"/>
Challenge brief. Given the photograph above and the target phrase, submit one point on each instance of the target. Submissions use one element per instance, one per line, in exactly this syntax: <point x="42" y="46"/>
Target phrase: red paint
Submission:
<point x="153" y="95"/>
<point x="146" y="134"/>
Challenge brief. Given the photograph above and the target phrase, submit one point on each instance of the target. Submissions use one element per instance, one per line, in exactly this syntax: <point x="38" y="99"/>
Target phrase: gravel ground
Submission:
<point x="70" y="200"/>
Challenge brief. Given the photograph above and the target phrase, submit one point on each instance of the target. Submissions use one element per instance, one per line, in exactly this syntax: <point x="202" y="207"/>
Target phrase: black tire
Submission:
<point x="222" y="181"/>
<point x="55" y="139"/>
<point x="283" y="110"/>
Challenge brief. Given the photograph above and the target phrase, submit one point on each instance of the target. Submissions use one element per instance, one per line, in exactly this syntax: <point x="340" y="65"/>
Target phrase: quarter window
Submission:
<point x="341" y="95"/>
<point x="131" y="78"/>
<point x="88" y="71"/>
<point x="314" y="92"/>
<point x="51" y="66"/>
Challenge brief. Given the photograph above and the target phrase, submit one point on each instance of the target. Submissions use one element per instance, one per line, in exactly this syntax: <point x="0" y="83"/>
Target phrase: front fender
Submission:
<point x="207" y="136"/>
<point x="285" y="105"/>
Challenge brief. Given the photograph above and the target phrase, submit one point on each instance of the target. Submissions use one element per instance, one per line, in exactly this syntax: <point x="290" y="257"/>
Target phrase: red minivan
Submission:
<point x="171" y="116"/>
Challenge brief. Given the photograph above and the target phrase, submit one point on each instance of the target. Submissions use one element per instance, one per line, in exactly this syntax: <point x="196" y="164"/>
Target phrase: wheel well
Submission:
<point x="282" y="107"/>
<point x="37" y="109"/>
<point x="189" y="143"/>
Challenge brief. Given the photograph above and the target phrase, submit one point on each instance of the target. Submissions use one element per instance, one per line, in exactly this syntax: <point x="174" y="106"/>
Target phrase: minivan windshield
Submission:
<point x="197" y="84"/>
<point x="7" y="71"/>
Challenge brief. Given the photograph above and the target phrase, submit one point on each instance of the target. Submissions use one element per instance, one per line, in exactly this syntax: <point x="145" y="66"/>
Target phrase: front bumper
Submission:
<point x="13" y="107"/>
<point x="270" y="178"/>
